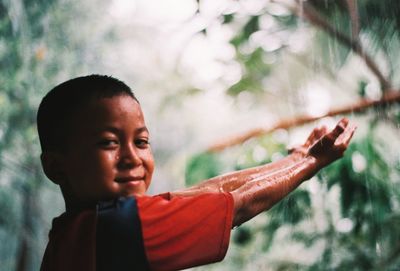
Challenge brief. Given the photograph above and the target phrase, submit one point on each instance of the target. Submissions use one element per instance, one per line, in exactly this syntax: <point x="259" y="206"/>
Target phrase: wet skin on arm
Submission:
<point x="257" y="189"/>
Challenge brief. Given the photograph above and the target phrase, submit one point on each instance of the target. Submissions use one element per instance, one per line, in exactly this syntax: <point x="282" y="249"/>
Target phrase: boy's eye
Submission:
<point x="142" y="143"/>
<point x="108" y="143"/>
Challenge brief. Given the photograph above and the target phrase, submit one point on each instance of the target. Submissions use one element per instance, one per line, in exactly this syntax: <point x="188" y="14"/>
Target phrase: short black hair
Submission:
<point x="60" y="104"/>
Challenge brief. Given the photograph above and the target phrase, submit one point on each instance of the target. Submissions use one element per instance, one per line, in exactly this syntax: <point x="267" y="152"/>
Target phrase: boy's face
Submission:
<point x="108" y="153"/>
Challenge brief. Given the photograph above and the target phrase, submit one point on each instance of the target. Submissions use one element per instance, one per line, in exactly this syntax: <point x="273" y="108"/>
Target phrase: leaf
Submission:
<point x="201" y="167"/>
<point x="242" y="235"/>
<point x="249" y="28"/>
<point x="255" y="70"/>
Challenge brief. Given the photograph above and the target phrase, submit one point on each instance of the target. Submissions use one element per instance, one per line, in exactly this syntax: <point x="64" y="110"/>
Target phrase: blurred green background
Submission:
<point x="205" y="71"/>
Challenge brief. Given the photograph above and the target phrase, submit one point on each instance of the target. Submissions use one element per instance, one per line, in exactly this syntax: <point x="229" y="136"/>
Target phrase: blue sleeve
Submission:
<point x="119" y="241"/>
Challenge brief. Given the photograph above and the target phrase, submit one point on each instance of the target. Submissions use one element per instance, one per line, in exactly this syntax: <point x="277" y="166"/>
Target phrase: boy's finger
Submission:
<point x="321" y="132"/>
<point x="331" y="137"/>
<point x="316" y="134"/>
<point x="348" y="134"/>
<point x="310" y="137"/>
<point x="340" y="127"/>
<point x="343" y="141"/>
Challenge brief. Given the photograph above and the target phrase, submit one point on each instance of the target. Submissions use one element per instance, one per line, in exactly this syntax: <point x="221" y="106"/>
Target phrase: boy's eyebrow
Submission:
<point x="142" y="129"/>
<point x="113" y="129"/>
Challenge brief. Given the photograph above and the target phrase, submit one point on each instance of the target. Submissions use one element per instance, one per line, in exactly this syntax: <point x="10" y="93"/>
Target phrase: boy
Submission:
<point x="95" y="146"/>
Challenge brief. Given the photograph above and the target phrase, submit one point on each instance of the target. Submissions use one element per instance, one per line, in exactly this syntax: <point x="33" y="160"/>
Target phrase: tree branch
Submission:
<point x="390" y="97"/>
<point x="307" y="11"/>
<point x="352" y="7"/>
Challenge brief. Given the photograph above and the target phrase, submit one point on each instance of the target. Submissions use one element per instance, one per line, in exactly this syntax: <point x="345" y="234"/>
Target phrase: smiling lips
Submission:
<point x="129" y="179"/>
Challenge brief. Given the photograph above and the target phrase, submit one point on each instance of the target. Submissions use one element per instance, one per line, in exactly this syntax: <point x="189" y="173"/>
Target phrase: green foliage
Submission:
<point x="43" y="41"/>
<point x="227" y="18"/>
<point x="290" y="211"/>
<point x="249" y="157"/>
<point x="7" y="210"/>
<point x="361" y="88"/>
<point x="371" y="12"/>
<point x="379" y="35"/>
<point x="368" y="197"/>
<point x="336" y="55"/>
<point x="249" y="28"/>
<point x="255" y="70"/>
<point x="369" y="200"/>
<point x="379" y="21"/>
<point x="201" y="167"/>
<point x="361" y="232"/>
<point x="242" y="235"/>
<point x="32" y="58"/>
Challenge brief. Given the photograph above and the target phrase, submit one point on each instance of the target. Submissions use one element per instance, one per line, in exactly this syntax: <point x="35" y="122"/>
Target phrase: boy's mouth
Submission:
<point x="128" y="179"/>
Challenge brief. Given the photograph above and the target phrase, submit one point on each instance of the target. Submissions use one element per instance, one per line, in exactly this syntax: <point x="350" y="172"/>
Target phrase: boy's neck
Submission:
<point x="77" y="206"/>
<point x="72" y="204"/>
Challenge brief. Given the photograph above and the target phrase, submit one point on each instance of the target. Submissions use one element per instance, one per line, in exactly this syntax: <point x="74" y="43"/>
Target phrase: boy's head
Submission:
<point x="94" y="140"/>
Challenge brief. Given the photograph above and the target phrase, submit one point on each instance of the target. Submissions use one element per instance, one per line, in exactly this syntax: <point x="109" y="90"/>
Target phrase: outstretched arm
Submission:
<point x="233" y="180"/>
<point x="257" y="189"/>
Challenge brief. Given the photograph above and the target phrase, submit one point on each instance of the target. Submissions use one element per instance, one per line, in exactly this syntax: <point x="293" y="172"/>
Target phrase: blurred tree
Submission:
<point x="348" y="219"/>
<point x="32" y="59"/>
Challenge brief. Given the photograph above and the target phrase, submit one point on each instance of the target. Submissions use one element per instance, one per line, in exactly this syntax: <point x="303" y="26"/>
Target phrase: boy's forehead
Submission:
<point x="101" y="112"/>
<point x="113" y="105"/>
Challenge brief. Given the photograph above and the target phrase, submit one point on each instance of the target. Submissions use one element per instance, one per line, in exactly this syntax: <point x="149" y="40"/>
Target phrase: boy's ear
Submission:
<point x="52" y="164"/>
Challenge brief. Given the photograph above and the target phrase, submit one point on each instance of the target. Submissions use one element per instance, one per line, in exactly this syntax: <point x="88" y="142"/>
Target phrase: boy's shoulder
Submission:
<point x="161" y="225"/>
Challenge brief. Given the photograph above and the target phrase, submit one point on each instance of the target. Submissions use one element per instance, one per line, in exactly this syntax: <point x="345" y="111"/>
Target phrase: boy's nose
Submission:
<point x="129" y="157"/>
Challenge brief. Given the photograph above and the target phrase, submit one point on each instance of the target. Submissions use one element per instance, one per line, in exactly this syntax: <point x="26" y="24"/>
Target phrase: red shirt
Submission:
<point x="176" y="233"/>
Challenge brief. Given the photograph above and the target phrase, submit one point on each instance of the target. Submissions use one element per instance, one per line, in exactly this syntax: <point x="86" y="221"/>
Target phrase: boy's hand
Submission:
<point x="329" y="147"/>
<point x="315" y="135"/>
<point x="266" y="189"/>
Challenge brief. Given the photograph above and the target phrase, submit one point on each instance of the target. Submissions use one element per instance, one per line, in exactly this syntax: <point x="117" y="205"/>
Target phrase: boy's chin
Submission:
<point x="138" y="191"/>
